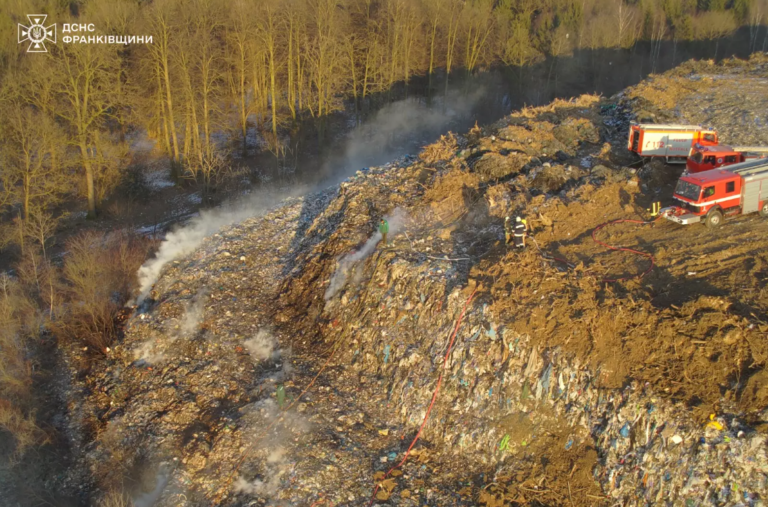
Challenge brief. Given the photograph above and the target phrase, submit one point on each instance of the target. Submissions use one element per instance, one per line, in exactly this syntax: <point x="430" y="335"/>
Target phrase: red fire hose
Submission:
<point x="624" y="249"/>
<point x="434" y="396"/>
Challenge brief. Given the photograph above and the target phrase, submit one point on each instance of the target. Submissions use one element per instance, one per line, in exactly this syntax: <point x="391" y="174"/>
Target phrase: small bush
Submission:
<point x="21" y="427"/>
<point x="116" y="498"/>
<point x="99" y="271"/>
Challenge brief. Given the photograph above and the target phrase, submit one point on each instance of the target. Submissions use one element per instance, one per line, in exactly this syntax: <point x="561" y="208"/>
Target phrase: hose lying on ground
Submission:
<point x="624" y="249"/>
<point x="434" y="395"/>
<point x="609" y="247"/>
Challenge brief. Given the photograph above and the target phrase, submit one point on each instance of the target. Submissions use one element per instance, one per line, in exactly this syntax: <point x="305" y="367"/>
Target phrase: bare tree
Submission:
<point x="30" y="175"/>
<point x="432" y="12"/>
<point x="452" y="13"/>
<point x="238" y="33"/>
<point x="479" y="21"/>
<point x="269" y="26"/>
<point x="160" y="21"/>
<point x="713" y="25"/>
<point x="625" y="19"/>
<point x="85" y="78"/>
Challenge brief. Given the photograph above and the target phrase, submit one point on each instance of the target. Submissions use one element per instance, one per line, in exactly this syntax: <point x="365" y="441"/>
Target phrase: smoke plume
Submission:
<point x="193" y="315"/>
<point x="261" y="346"/>
<point x="149" y="352"/>
<point x="269" y="484"/>
<point x="184" y="240"/>
<point x="153" y="351"/>
<point x="395" y="130"/>
<point x="347" y="265"/>
<point x="275" y="454"/>
<point x="402" y="128"/>
<point x="150" y="498"/>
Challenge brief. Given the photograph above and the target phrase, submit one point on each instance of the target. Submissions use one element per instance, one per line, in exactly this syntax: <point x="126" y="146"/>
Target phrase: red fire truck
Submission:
<point x="673" y="142"/>
<point x="704" y="158"/>
<point x="709" y="195"/>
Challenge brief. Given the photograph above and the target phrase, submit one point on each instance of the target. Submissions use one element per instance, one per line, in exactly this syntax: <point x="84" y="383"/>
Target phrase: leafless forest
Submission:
<point x="217" y="75"/>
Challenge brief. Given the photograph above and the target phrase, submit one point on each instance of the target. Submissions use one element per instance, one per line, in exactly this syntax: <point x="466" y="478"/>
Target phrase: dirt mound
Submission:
<point x="534" y="139"/>
<point x="496" y="166"/>
<point x="552" y="179"/>
<point x="574" y="131"/>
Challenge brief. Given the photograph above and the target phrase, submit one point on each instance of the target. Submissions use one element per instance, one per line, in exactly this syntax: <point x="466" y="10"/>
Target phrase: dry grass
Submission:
<point x="664" y="91"/>
<point x="17" y="415"/>
<point x="582" y="102"/>
<point x="442" y="150"/>
<point x="81" y="301"/>
<point x="21" y="426"/>
<point x="116" y="498"/>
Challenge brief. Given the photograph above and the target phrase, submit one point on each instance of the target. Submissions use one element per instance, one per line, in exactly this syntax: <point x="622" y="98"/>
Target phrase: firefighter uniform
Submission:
<point x="519" y="232"/>
<point x="509" y="230"/>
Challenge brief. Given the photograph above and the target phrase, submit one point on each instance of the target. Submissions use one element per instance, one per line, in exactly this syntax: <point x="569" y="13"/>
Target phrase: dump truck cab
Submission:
<point x="708" y="196"/>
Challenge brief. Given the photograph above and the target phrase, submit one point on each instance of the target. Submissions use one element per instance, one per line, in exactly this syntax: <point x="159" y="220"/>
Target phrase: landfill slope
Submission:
<point x="569" y="378"/>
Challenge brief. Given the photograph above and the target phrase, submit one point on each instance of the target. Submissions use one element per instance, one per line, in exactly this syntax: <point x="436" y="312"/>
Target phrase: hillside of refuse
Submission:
<point x="293" y="358"/>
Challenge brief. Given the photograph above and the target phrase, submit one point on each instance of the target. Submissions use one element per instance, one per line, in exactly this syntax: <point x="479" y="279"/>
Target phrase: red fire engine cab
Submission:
<point x="673" y="142"/>
<point x="704" y="158"/>
<point x="709" y="195"/>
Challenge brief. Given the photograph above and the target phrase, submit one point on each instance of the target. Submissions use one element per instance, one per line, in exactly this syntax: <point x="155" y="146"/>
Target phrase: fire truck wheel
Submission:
<point x="764" y="210"/>
<point x="714" y="219"/>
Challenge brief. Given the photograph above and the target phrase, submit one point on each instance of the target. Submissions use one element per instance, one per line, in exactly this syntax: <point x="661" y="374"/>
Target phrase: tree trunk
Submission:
<point x="453" y="29"/>
<point x="169" y="103"/>
<point x="187" y="133"/>
<point x="162" y="125"/>
<point x="432" y="44"/>
<point x="21" y="233"/>
<point x="299" y="72"/>
<point x="206" y="107"/>
<point x="88" y="179"/>
<point x="291" y="97"/>
<point x="353" y="71"/>
<point x="26" y="188"/>
<point x="272" y="84"/>
<point x="242" y="90"/>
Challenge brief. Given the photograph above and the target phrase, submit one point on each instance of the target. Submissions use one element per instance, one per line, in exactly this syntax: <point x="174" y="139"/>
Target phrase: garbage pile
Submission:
<point x="293" y="357"/>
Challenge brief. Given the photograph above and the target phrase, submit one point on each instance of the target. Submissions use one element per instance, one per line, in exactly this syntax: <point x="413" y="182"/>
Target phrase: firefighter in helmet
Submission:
<point x="509" y="230"/>
<point x="520" y="231"/>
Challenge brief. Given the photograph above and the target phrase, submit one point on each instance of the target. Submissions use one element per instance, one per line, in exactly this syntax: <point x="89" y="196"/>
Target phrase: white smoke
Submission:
<point x="347" y="265"/>
<point x="149" y="352"/>
<point x="275" y="454"/>
<point x="186" y="239"/>
<point x="262" y="346"/>
<point x="150" y="498"/>
<point x="403" y="127"/>
<point x="269" y="485"/>
<point x="193" y="315"/>
<point x="153" y="351"/>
